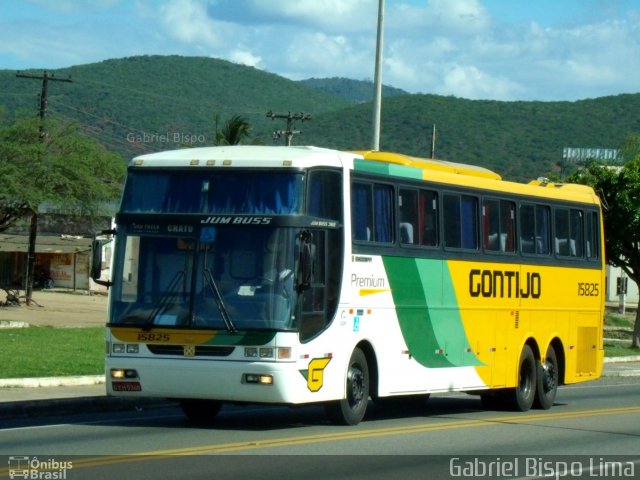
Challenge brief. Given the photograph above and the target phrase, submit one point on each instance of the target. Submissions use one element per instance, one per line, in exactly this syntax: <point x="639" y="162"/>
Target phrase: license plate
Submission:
<point x="126" y="386"/>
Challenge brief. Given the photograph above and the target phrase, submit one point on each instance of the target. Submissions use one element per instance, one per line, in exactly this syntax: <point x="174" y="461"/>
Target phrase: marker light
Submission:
<point x="284" y="353"/>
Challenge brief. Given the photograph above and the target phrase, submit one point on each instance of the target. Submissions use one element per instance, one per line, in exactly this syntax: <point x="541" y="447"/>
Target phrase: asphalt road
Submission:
<point x="592" y="426"/>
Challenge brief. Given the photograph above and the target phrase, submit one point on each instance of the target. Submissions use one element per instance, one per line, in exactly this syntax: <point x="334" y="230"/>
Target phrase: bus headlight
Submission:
<point x="266" y="352"/>
<point x="251" y="352"/>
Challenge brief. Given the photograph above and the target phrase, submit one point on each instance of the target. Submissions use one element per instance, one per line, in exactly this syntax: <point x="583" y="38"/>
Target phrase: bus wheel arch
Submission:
<point x="558" y="346"/>
<point x="352" y="409"/>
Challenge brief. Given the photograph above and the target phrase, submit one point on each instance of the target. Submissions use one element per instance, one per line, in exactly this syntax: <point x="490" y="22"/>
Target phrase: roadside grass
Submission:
<point x="51" y="352"/>
<point x="614" y="319"/>
<point x="618" y="328"/>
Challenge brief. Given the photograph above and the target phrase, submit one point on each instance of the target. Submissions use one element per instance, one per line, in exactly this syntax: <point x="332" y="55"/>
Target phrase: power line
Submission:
<point x="290" y="118"/>
<point x="33" y="223"/>
<point x="45" y="77"/>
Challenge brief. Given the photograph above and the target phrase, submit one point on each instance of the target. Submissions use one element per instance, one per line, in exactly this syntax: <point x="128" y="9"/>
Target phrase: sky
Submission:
<point x="508" y="50"/>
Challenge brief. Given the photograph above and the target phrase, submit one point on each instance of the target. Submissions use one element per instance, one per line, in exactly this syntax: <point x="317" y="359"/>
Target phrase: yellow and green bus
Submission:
<point x="300" y="275"/>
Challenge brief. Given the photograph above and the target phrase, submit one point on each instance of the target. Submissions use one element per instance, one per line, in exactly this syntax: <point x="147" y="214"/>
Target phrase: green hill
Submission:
<point x="121" y="101"/>
<point x="519" y="140"/>
<point x="141" y="104"/>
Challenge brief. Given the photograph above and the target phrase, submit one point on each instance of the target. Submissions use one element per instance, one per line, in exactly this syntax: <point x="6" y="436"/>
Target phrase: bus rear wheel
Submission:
<point x="351" y="410"/>
<point x="522" y="396"/>
<point x="200" y="411"/>
<point x="547" y="381"/>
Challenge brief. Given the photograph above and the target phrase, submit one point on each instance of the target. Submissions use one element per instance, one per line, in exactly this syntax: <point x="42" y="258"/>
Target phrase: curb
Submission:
<point x="632" y="358"/>
<point x="34" y="382"/>
<point x="82" y="405"/>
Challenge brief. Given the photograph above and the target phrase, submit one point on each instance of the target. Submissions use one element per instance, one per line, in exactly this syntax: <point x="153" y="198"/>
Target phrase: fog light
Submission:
<point x="258" y="378"/>
<point x="120" y="373"/>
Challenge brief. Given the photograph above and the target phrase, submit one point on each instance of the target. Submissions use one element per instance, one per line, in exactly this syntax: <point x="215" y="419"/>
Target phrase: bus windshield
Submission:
<point x="231" y="278"/>
<point x="257" y="192"/>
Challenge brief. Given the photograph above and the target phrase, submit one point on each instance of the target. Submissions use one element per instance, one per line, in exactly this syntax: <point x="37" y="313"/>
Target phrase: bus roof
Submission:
<point x="429" y="164"/>
<point x="249" y="155"/>
<point x="260" y="156"/>
<point x="473" y="176"/>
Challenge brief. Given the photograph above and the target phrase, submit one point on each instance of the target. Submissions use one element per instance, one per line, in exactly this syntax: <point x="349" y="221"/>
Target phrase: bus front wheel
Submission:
<point x="200" y="411"/>
<point x="351" y="409"/>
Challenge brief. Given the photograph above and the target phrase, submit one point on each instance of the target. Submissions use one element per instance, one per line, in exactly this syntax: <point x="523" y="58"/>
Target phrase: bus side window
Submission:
<point x="592" y="237"/>
<point x="451" y="221"/>
<point x="372" y="209"/>
<point x="498" y="222"/>
<point x="361" y="212"/>
<point x="469" y="222"/>
<point x="418" y="217"/>
<point x="543" y="229"/>
<point x="408" y="210"/>
<point x="569" y="230"/>
<point x="460" y="221"/>
<point x="527" y="229"/>
<point x="429" y="218"/>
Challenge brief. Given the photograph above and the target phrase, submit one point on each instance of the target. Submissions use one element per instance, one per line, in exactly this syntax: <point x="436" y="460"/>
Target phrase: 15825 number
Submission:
<point x="153" y="337"/>
<point x="586" y="289"/>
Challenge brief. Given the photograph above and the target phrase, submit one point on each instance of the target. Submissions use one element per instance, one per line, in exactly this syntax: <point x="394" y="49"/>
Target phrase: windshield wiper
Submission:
<point x="222" y="308"/>
<point x="164" y="299"/>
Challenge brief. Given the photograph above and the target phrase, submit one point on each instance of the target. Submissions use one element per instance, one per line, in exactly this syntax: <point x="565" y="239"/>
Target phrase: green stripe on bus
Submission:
<point x="387" y="169"/>
<point x="429" y="319"/>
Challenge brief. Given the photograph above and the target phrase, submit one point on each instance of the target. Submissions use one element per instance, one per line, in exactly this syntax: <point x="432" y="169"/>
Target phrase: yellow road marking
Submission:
<point x="351" y="434"/>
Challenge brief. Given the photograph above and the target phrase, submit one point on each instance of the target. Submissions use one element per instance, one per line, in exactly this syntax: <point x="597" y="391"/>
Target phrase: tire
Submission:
<point x="547" y="381"/>
<point x="351" y="410"/>
<point x="200" y="411"/>
<point x="521" y="397"/>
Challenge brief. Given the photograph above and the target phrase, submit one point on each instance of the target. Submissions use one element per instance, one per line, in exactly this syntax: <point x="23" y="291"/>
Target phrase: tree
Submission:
<point x="619" y="191"/>
<point x="236" y="129"/>
<point x="64" y="169"/>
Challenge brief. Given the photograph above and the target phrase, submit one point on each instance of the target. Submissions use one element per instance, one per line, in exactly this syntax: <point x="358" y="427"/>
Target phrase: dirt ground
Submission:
<point x="58" y="308"/>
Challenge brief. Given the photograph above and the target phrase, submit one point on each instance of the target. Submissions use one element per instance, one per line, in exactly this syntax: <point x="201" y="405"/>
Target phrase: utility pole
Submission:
<point x="291" y="118"/>
<point x="377" y="80"/>
<point x="33" y="223"/>
<point x="433" y="142"/>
